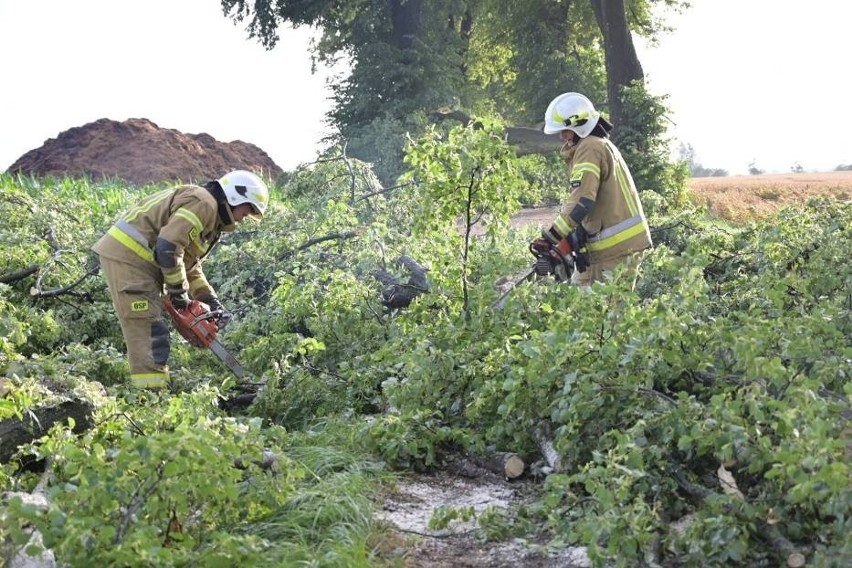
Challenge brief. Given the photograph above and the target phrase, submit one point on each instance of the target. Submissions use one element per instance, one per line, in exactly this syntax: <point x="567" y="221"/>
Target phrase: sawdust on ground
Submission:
<point x="407" y="509"/>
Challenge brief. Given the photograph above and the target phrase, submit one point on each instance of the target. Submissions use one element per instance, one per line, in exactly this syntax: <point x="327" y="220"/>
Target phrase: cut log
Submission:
<point x="15" y="432"/>
<point x="507" y="464"/>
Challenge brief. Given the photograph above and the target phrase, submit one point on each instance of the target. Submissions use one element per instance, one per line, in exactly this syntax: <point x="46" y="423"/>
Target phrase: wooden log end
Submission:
<point x="514" y="467"/>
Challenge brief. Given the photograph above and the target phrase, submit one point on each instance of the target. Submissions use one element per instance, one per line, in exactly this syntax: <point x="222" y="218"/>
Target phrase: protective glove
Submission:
<point x="213" y="302"/>
<point x="223" y="317"/>
<point x="578" y="239"/>
<point x="179" y="299"/>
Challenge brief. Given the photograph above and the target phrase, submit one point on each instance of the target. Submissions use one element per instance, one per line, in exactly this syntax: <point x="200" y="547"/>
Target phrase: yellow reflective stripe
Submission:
<point x="147" y="204"/>
<point x="579" y="169"/>
<point x="624" y="184"/>
<point x="173" y="277"/>
<point x="617" y="238"/>
<point x="195" y="233"/>
<point x="149" y="380"/>
<point x="562" y="226"/>
<point x="130" y="243"/>
<point x="630" y="199"/>
<point x="196" y="285"/>
<point x="193" y="219"/>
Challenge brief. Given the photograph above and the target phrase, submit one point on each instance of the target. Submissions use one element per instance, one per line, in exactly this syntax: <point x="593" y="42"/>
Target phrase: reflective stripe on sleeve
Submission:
<point x="196" y="285"/>
<point x="193" y="219"/>
<point x="562" y="226"/>
<point x="583" y="167"/>
<point x="174" y="278"/>
<point x="148" y="203"/>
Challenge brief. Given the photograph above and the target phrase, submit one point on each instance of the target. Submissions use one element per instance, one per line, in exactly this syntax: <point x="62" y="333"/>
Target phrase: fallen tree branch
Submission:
<point x="777" y="541"/>
<point x="435" y="535"/>
<point x="396" y="294"/>
<point x="542" y="435"/>
<point x="330" y="237"/>
<point x="526" y="140"/>
<point x="69" y="290"/>
<point x="19" y="274"/>
<point x="381" y="191"/>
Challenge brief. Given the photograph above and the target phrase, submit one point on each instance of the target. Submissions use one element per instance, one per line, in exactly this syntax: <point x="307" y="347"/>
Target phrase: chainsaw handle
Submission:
<point x="221" y="317"/>
<point x="194" y="322"/>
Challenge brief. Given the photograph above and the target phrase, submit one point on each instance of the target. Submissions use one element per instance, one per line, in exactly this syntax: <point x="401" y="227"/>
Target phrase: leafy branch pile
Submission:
<point x="701" y="418"/>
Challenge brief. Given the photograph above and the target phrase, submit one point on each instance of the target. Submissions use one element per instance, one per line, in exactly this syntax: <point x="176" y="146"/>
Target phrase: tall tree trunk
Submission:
<point x="622" y="63"/>
<point x="406" y="21"/>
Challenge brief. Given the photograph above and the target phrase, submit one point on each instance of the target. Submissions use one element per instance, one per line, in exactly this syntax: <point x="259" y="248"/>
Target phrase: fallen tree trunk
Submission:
<point x="777" y="541"/>
<point x="507" y="464"/>
<point x="15" y="432"/>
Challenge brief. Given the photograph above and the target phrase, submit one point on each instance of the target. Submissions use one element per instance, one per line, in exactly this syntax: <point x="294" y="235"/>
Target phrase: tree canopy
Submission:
<point x="409" y="57"/>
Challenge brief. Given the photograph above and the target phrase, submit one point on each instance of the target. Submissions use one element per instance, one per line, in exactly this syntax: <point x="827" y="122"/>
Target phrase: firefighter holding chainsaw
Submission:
<point x="602" y="223"/>
<point x="154" y="252"/>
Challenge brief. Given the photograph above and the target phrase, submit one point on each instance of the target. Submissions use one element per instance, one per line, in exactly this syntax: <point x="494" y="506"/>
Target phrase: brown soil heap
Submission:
<point x="140" y="152"/>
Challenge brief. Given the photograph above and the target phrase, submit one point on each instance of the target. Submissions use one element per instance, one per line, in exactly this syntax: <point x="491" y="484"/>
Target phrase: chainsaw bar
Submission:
<point x="498" y="303"/>
<point x="227" y="358"/>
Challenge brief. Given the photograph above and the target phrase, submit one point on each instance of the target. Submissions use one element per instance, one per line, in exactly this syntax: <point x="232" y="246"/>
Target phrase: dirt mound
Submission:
<point x="140" y="152"/>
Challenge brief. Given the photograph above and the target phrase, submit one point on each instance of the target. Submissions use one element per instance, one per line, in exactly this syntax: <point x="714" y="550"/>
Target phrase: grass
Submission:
<point x="328" y="521"/>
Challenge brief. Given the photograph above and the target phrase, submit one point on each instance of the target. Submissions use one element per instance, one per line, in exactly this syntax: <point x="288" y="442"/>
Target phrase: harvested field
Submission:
<point x="742" y="198"/>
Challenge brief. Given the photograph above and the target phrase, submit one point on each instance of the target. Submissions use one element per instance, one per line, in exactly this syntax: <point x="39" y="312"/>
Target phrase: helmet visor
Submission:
<point x="255" y="212"/>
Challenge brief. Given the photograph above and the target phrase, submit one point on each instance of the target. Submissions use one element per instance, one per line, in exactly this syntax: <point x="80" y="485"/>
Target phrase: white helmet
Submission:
<point x="241" y="187"/>
<point x="571" y="111"/>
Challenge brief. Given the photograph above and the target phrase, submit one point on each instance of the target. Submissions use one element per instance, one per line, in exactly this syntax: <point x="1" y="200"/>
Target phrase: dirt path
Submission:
<point x="408" y="509"/>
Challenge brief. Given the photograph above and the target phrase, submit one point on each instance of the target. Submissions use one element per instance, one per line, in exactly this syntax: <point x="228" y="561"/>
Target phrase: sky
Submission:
<point x="766" y="82"/>
<point x="761" y="83"/>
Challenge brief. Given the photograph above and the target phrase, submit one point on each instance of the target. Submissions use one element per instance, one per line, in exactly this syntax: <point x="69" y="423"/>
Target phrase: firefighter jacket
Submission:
<point x="604" y="200"/>
<point x="173" y="230"/>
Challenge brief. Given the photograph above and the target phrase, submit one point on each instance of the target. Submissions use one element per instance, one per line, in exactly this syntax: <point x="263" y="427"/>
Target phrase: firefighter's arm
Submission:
<point x="183" y="230"/>
<point x="199" y="287"/>
<point x="584" y="182"/>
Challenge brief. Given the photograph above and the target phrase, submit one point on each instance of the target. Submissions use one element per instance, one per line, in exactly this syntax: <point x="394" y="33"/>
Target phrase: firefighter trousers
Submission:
<point x="136" y="292"/>
<point x="597" y="271"/>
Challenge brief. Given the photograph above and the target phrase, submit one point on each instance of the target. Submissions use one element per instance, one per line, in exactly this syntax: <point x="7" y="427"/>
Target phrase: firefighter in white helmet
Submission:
<point x="602" y="217"/>
<point x="156" y="248"/>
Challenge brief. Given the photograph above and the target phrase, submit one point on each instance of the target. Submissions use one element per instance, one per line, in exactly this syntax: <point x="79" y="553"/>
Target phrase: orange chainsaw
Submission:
<point x="197" y="324"/>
